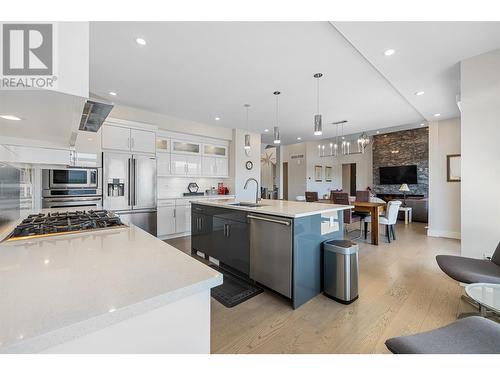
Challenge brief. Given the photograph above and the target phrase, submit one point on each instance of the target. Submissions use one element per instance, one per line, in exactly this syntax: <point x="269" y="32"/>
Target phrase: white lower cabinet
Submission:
<point x="166" y="219"/>
<point x="183" y="218"/>
<point x="174" y="216"/>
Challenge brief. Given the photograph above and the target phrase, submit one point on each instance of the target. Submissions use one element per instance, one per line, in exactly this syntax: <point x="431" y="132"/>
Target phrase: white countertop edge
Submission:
<point x="73" y="331"/>
<point x="262" y="210"/>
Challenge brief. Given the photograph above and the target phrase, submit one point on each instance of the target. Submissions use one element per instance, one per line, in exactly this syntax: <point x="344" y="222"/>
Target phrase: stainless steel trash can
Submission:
<point x="340" y="270"/>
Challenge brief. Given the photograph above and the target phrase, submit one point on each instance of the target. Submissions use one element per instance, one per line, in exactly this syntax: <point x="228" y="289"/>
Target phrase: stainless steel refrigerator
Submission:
<point x="129" y="188"/>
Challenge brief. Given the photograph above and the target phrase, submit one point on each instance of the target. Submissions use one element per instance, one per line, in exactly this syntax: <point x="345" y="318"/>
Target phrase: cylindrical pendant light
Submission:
<point x="318" y="125"/>
<point x="247" y="136"/>
<point x="277" y="139"/>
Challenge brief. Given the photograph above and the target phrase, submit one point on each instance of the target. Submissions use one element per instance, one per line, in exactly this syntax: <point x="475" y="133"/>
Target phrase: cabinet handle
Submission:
<point x="228" y="230"/>
<point x="175" y="211"/>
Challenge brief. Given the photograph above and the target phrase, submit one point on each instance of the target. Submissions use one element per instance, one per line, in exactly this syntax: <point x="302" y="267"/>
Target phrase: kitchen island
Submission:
<point x="275" y="243"/>
<point x="117" y="290"/>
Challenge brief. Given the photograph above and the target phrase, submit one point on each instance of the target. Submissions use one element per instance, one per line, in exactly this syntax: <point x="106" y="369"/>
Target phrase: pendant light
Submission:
<point x="363" y="141"/>
<point x="277" y="140"/>
<point x="247" y="135"/>
<point x="318" y="126"/>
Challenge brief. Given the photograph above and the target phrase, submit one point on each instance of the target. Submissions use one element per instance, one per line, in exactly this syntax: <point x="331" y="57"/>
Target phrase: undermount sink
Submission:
<point x="245" y="204"/>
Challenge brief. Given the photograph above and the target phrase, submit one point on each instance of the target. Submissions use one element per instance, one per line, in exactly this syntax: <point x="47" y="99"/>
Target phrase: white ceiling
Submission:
<point x="200" y="70"/>
<point x="427" y="57"/>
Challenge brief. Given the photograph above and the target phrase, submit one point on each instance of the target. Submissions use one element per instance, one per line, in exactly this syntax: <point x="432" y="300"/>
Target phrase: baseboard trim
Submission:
<point x="443" y="233"/>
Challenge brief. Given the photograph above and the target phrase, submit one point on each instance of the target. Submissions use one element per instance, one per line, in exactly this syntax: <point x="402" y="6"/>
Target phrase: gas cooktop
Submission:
<point x="55" y="223"/>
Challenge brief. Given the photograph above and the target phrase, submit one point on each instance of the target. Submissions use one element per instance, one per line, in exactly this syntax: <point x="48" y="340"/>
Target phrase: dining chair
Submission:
<point x="362" y="196"/>
<point x="349" y="216"/>
<point x="311" y="196"/>
<point x="389" y="219"/>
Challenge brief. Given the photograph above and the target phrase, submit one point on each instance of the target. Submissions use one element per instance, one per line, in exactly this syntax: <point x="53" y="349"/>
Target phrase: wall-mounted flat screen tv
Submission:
<point x="404" y="174"/>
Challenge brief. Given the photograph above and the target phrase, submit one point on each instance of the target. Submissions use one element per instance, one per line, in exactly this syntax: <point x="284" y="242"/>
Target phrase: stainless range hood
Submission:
<point x="94" y="114"/>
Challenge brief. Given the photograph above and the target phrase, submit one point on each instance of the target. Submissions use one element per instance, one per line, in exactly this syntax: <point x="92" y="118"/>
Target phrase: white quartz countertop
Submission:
<point x="58" y="288"/>
<point x="291" y="209"/>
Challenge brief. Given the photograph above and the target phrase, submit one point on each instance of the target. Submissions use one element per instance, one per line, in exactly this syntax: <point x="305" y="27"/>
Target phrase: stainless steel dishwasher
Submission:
<point x="271" y="252"/>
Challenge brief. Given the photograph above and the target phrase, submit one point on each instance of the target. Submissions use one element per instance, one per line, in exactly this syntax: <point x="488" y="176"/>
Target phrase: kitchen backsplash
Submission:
<point x="169" y="187"/>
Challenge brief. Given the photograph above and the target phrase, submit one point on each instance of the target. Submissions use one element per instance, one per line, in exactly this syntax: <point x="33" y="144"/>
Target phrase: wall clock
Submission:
<point x="249" y="165"/>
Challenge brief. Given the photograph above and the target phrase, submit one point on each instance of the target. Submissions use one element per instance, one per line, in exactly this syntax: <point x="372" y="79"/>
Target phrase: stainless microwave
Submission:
<point x="71" y="178"/>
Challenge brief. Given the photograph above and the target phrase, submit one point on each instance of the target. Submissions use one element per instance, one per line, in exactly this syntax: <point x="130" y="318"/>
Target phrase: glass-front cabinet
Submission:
<point x="162" y="144"/>
<point x="215" y="150"/>
<point x="186" y="147"/>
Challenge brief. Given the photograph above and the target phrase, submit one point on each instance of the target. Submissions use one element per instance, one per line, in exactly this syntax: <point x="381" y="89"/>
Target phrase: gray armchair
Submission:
<point x="471" y="270"/>
<point x="473" y="335"/>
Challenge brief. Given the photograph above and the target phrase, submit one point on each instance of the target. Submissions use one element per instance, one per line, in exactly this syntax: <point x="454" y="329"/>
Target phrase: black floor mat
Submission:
<point x="234" y="290"/>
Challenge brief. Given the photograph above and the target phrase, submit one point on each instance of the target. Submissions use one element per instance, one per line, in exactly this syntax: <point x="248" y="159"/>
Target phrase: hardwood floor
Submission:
<point x="402" y="291"/>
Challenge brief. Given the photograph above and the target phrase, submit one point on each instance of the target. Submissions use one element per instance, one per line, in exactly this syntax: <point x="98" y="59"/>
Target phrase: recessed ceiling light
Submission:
<point x="422" y="124"/>
<point x="343" y="137"/>
<point x="299" y="138"/>
<point x="378" y="131"/>
<point x="437" y="114"/>
<point x="389" y="52"/>
<point x="10" y="117"/>
<point x="112" y="93"/>
<point x="217" y="118"/>
<point x="141" y="41"/>
<point x="419" y="93"/>
<point x="266" y="130"/>
<point x="46" y="261"/>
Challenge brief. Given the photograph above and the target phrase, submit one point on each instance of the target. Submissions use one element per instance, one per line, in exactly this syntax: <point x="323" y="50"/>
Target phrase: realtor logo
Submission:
<point x="27" y="49"/>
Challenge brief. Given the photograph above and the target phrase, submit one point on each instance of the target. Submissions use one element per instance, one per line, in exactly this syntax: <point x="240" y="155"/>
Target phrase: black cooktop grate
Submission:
<point x="57" y="222"/>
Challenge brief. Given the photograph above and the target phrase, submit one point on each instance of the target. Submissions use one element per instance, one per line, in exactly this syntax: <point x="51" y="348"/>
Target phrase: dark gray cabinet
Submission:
<point x="232" y="240"/>
<point x="201" y="233"/>
<point x="223" y="234"/>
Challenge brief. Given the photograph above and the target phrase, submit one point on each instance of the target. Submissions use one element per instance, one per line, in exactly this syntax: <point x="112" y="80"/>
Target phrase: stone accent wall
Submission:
<point x="413" y="147"/>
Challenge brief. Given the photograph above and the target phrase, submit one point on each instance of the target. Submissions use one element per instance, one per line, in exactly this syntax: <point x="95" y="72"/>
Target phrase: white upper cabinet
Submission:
<point x="178" y="165"/>
<point x="115" y="138"/>
<point x="126" y="139"/>
<point x="193" y="165"/>
<point x="163" y="164"/>
<point x="208" y="166"/>
<point x="222" y="167"/>
<point x="215" y="166"/>
<point x="142" y="141"/>
<point x="185" y="165"/>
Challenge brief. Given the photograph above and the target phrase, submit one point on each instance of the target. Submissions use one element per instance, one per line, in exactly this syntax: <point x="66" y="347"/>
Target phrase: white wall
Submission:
<point x="301" y="176"/>
<point x="268" y="170"/>
<point x="480" y="94"/>
<point x="237" y="168"/>
<point x="296" y="169"/>
<point x="444" y="196"/>
<point x="363" y="168"/>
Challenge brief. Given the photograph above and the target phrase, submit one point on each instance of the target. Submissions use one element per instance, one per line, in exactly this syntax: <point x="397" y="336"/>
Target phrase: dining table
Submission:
<point x="375" y="209"/>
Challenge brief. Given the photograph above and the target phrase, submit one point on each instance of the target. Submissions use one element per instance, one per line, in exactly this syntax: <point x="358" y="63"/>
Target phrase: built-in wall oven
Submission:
<point x="72" y="187"/>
